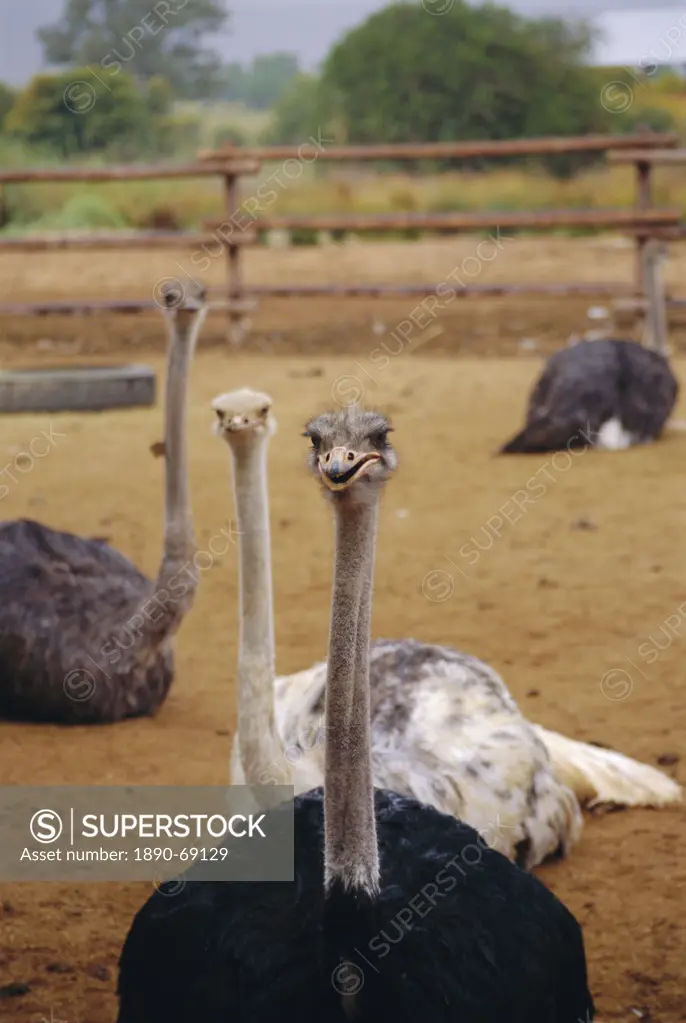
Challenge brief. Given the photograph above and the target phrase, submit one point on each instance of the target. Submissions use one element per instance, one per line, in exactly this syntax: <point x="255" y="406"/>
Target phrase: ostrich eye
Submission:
<point x="380" y="439"/>
<point x="264" y="411"/>
<point x="220" y="414"/>
<point x="316" y="441"/>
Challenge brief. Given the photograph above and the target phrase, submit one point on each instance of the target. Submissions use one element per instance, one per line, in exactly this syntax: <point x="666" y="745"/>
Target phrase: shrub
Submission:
<point x="73" y="113"/>
<point x="87" y="211"/>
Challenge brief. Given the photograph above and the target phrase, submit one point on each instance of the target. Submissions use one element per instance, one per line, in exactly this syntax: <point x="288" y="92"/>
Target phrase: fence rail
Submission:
<point x="118" y="240"/>
<point x="541" y="220"/>
<point x="649" y="156"/>
<point x="547" y="146"/>
<point x="644" y="221"/>
<point x="225" y="167"/>
<point x="247" y="303"/>
<point x="584" y="289"/>
<point x="239" y="307"/>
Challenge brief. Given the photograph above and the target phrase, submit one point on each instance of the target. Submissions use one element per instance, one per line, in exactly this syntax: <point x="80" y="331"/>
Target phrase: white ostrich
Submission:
<point x="445" y="729"/>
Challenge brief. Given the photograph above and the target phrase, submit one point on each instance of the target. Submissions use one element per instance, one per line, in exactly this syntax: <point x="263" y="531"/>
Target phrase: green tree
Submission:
<point x="7" y="99"/>
<point x="643" y="119"/>
<point x="144" y="39"/>
<point x="73" y="113"/>
<point x="475" y="72"/>
<point x="159" y="95"/>
<point x="267" y="78"/>
<point x="262" y="83"/>
<point x="231" y="82"/>
<point x="301" y="111"/>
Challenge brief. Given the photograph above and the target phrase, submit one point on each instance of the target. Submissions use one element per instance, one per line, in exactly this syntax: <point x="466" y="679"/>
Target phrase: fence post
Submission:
<point x="655" y="322"/>
<point x="235" y="278"/>
<point x="644" y="201"/>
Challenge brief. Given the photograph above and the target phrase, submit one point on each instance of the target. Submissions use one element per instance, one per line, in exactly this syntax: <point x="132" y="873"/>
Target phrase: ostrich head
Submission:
<point x="350" y="451"/>
<point x="242" y="415"/>
<point x="182" y="303"/>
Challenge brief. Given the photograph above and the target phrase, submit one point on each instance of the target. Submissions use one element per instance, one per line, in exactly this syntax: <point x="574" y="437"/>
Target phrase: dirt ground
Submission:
<point x="562" y="600"/>
<point x="332" y="324"/>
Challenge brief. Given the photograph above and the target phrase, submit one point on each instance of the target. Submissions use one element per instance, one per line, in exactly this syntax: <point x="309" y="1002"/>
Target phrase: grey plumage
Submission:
<point x="85" y="637"/>
<point x="75" y="644"/>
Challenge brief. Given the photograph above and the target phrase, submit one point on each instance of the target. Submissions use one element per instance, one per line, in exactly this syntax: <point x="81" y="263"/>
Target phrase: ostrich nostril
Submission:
<point x="245" y="419"/>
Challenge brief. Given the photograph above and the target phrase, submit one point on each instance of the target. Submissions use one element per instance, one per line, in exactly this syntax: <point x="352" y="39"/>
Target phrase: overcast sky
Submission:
<point x="309" y="27"/>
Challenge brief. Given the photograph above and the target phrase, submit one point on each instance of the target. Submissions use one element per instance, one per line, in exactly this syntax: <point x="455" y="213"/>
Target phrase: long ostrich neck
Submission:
<point x="170" y="597"/>
<point x="260" y="747"/>
<point x="179" y="539"/>
<point x="177" y="579"/>
<point x="350" y="847"/>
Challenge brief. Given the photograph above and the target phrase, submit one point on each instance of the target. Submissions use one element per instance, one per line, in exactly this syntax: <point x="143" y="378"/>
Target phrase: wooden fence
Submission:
<point x="228" y="169"/>
<point x="244" y="218"/>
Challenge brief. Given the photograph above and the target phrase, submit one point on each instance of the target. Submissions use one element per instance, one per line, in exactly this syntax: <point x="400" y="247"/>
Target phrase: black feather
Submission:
<point x="582" y="387"/>
<point x="496" y="946"/>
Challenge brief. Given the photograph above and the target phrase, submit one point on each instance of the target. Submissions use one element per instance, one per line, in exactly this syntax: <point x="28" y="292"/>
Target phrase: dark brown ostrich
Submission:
<point x="85" y="637"/>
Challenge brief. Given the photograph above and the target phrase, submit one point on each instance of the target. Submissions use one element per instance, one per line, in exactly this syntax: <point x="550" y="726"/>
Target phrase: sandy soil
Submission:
<point x="333" y="324"/>
<point x="557" y="599"/>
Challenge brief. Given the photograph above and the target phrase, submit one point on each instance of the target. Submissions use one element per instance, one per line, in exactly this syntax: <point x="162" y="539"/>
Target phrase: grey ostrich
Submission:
<point x="85" y="637"/>
<point x="607" y="394"/>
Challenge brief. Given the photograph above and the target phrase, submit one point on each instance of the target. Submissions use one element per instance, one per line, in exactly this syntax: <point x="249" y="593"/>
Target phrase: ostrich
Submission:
<point x="606" y="394"/>
<point x="396" y="911"/>
<point x="445" y="729"/>
<point x="86" y="638"/>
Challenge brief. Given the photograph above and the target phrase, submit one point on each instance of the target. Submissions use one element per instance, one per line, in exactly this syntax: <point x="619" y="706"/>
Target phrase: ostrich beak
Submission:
<point x="340" y="467"/>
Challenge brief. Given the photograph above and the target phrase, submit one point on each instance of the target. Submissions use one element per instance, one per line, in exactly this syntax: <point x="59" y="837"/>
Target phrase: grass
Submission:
<point x="217" y="117"/>
<point x="136" y="204"/>
<point x="185" y="204"/>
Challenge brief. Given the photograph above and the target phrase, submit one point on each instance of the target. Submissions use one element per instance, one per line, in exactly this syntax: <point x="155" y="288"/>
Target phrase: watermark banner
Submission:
<point x="146" y="833"/>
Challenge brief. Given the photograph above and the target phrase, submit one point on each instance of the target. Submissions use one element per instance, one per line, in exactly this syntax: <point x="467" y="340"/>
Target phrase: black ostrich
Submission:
<point x="85" y="637"/>
<point x="607" y="394"/>
<point x="397" y="911"/>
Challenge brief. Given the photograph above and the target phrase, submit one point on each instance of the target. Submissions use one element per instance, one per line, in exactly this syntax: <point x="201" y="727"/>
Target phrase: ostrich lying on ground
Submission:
<point x="84" y="636"/>
<point x="605" y="394"/>
<point x="396" y="911"/>
<point x="445" y="729"/>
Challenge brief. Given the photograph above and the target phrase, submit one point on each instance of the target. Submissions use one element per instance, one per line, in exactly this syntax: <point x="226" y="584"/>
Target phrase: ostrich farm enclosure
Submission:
<point x="578" y="599"/>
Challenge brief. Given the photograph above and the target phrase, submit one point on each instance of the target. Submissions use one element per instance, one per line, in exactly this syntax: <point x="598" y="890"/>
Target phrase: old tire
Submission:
<point x="76" y="388"/>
